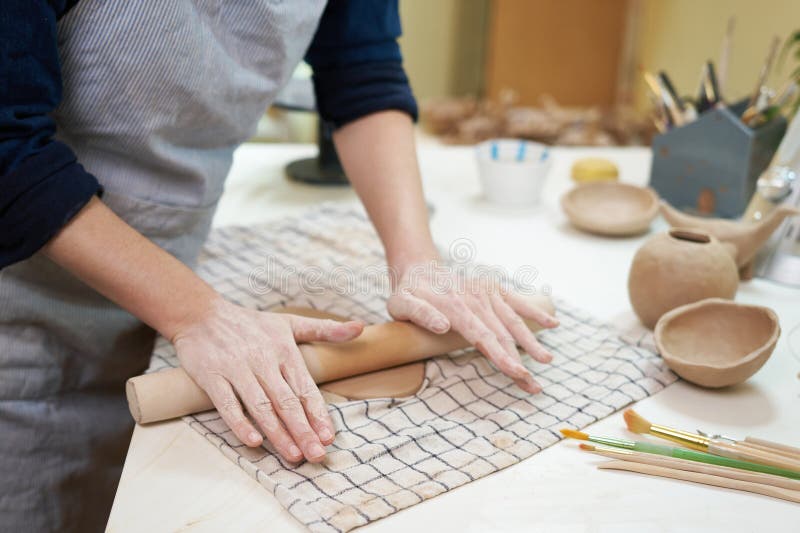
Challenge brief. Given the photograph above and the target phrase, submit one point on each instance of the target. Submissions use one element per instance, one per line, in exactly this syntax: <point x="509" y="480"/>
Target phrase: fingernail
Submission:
<point x="325" y="434"/>
<point x="254" y="437"/>
<point x="294" y="451"/>
<point x="315" y="451"/>
<point x="440" y="326"/>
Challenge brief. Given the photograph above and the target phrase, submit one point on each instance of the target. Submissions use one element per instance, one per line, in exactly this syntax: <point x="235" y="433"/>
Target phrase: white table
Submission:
<point x="175" y="480"/>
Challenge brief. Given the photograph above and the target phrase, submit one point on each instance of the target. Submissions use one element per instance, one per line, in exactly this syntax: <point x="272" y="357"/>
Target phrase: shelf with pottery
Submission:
<point x="182" y="481"/>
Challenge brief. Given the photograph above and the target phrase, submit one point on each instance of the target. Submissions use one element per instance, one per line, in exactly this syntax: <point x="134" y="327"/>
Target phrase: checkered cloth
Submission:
<point x="467" y="421"/>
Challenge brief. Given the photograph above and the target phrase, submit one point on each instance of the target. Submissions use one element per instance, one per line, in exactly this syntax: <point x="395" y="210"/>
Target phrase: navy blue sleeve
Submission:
<point x="42" y="186"/>
<point x="358" y="68"/>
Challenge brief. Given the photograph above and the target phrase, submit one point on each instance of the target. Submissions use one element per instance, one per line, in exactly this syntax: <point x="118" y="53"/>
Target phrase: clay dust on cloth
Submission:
<point x="468" y="420"/>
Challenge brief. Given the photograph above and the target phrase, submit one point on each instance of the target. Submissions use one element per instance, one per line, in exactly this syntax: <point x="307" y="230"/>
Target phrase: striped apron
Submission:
<point x="157" y="95"/>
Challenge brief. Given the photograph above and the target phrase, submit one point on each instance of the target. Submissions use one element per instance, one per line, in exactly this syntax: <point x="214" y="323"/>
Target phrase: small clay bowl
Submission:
<point x="610" y="208"/>
<point x="715" y="342"/>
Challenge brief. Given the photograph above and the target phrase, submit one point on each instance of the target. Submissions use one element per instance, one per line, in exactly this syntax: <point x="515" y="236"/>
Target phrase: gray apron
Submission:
<point x="157" y="95"/>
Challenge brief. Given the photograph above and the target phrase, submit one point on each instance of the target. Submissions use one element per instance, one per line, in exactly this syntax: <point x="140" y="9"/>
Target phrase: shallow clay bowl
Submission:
<point x="715" y="342"/>
<point x="614" y="209"/>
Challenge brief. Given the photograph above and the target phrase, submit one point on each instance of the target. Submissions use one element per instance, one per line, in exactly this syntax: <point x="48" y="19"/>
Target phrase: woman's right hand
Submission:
<point x="247" y="358"/>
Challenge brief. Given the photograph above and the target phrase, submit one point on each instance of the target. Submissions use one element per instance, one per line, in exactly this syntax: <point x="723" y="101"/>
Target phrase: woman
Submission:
<point x="118" y="121"/>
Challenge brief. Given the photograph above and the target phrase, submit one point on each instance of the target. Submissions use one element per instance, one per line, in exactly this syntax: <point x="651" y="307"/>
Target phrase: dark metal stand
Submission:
<point x="325" y="169"/>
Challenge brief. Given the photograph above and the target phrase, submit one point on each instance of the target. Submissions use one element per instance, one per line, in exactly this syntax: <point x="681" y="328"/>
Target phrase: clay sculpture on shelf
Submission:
<point x="746" y="237"/>
<point x="172" y="393"/>
<point x="611" y="208"/>
<point x="676" y="268"/>
<point x="715" y="342"/>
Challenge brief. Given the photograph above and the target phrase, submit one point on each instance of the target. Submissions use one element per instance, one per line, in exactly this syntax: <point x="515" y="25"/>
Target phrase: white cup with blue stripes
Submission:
<point x="513" y="171"/>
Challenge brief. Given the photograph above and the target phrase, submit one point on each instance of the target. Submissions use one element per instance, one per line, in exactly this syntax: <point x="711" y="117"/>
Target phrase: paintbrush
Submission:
<point x="759" y="444"/>
<point x="765" y="68"/>
<point x="680" y="453"/>
<point x="705" y="479"/>
<point x="692" y="466"/>
<point x="638" y="424"/>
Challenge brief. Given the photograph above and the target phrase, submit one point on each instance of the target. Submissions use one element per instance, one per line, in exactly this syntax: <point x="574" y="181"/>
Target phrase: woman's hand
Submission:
<point x="246" y="358"/>
<point x="490" y="318"/>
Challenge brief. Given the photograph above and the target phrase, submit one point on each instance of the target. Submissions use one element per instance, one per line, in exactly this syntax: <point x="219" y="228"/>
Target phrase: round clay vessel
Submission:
<point x="679" y="267"/>
<point x="716" y="342"/>
<point x="611" y="208"/>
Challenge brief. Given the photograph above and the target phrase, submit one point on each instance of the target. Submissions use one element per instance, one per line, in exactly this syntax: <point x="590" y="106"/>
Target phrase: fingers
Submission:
<point x="416" y="310"/>
<point x="290" y="410"/>
<point x="483" y="309"/>
<point x="262" y="411"/>
<point x="479" y="335"/>
<point x="226" y="402"/>
<point x="315" y="329"/>
<point x="528" y="310"/>
<point x="316" y="409"/>
<point x="514" y="324"/>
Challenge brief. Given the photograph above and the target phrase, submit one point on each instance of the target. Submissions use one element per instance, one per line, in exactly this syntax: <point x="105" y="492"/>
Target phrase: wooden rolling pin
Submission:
<point x="172" y="393"/>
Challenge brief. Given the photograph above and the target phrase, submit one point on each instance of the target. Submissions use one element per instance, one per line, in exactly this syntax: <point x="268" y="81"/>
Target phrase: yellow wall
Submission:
<point x="678" y="35"/>
<point x="442" y="46"/>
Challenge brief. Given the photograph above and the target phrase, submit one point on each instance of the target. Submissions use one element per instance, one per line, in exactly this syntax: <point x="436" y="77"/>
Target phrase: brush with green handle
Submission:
<point x="681" y="453"/>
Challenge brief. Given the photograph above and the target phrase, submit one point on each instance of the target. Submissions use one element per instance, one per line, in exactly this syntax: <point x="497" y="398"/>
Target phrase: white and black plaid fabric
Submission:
<point x="467" y="421"/>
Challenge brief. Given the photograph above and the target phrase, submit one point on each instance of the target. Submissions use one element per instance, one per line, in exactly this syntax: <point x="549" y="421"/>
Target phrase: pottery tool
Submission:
<point x="764" y="72"/>
<point x="666" y="105"/>
<point x="725" y="53"/>
<point x="692" y="466"/>
<point x="671" y="99"/>
<point x="638" y="424"/>
<point x="705" y="479"/>
<point x="680" y="453"/>
<point x="172" y="393"/>
<point x="708" y="94"/>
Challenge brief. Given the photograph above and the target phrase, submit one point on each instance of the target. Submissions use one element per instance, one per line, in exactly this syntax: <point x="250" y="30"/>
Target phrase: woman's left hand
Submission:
<point x="485" y="314"/>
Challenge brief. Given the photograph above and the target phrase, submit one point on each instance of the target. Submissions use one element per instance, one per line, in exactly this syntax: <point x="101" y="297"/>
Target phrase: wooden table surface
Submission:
<point x="176" y="480"/>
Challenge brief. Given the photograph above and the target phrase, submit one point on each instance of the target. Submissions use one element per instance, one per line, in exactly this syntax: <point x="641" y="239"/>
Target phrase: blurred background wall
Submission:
<point x="585" y="53"/>
<point x="576" y="50"/>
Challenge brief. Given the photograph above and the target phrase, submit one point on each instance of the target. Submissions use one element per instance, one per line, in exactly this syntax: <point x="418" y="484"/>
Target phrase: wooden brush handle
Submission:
<point x="745" y="453"/>
<point x="172" y="393"/>
<point x="782" y="449"/>
<point x="706" y="479"/>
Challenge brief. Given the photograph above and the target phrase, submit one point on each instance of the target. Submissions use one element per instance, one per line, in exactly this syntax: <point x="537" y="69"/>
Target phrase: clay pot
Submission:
<point x="746" y="237"/>
<point x="717" y="343"/>
<point x="677" y="268"/>
<point x="611" y="208"/>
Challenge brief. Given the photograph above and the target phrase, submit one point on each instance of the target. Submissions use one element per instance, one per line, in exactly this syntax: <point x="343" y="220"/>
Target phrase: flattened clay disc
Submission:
<point x="397" y="382"/>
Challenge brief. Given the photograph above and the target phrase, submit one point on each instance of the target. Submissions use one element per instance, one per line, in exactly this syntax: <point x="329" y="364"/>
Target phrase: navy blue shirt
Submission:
<point x="357" y="71"/>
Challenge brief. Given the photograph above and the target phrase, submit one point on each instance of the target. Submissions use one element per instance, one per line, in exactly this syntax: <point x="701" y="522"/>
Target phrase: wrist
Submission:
<point x="191" y="313"/>
<point x="408" y="256"/>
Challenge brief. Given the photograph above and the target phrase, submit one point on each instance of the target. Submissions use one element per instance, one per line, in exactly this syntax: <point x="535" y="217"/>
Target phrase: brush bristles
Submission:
<point x="572" y="434"/>
<point x="587" y="447"/>
<point x="635" y="422"/>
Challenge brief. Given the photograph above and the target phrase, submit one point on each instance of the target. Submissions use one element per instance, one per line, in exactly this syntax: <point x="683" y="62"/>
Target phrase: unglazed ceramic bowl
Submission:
<point x="611" y="208"/>
<point x="716" y="342"/>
